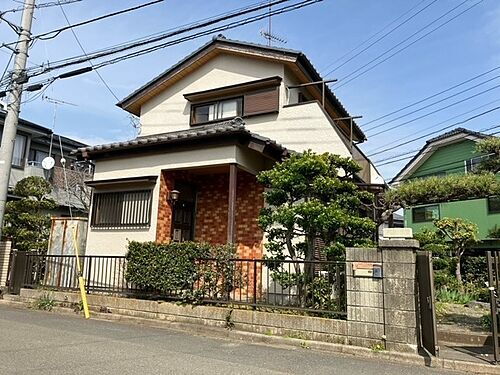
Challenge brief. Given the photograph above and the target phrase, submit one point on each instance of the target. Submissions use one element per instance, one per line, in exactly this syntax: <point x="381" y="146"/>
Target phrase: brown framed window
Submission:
<point x="217" y="110"/>
<point x="122" y="209"/>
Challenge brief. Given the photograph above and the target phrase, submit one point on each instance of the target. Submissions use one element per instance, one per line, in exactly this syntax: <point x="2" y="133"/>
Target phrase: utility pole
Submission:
<point x="14" y="104"/>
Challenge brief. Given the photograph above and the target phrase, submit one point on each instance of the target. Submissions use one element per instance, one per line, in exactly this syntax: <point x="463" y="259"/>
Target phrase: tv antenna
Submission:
<point x="268" y="34"/>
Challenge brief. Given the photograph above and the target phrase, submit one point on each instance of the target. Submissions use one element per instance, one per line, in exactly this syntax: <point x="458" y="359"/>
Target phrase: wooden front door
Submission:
<point x="183" y="221"/>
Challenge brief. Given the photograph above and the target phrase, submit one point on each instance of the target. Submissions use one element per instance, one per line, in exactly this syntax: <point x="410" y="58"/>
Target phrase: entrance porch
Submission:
<point x="218" y="205"/>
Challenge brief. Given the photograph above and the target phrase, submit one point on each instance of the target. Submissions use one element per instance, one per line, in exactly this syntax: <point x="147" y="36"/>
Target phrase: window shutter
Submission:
<point x="261" y="102"/>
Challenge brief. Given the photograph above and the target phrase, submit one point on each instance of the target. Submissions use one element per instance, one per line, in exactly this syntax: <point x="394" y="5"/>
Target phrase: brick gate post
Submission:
<point x="382" y="296"/>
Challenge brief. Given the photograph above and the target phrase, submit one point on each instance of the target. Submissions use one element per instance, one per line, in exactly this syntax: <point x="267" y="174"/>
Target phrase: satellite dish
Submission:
<point x="48" y="163"/>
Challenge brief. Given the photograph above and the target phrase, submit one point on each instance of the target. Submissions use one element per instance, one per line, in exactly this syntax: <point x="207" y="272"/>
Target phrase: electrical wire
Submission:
<point x="209" y="32"/>
<point x="428" y="97"/>
<point x="189" y="37"/>
<point x="343" y="79"/>
<point x="437" y="131"/>
<point x="433" y="126"/>
<point x="435" y="111"/>
<point x="7" y="66"/>
<point x="379" y="39"/>
<point x="54" y="33"/>
<point x="417" y="150"/>
<point x="38" y="6"/>
<point x="126" y="46"/>
<point x="85" y="53"/>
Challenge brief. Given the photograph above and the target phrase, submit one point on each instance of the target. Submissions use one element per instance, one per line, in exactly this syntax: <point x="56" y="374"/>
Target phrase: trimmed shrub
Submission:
<point x="181" y="269"/>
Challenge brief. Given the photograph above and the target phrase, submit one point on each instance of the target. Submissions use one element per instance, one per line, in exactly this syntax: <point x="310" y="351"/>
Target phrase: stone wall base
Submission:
<point x="293" y="326"/>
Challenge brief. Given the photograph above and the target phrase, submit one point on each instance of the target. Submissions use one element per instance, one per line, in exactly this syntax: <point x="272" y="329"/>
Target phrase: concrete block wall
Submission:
<point x="365" y="301"/>
<point x="5" y="250"/>
<point x="400" y="294"/>
<point x="382" y="311"/>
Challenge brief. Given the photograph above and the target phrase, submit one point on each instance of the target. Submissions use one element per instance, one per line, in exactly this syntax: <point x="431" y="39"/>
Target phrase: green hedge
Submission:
<point x="175" y="269"/>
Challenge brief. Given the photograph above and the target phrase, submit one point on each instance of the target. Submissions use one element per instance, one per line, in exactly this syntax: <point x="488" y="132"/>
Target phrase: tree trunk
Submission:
<point x="458" y="272"/>
<point x="308" y="269"/>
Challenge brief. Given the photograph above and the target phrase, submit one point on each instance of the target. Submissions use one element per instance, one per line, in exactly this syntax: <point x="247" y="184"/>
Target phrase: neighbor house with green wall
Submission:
<point x="451" y="153"/>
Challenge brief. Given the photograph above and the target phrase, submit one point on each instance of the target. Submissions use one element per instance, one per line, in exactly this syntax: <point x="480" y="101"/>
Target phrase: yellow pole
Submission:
<point x="81" y="281"/>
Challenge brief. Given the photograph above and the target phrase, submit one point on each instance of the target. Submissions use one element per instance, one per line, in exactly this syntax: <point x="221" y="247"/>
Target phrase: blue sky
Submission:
<point x="462" y="49"/>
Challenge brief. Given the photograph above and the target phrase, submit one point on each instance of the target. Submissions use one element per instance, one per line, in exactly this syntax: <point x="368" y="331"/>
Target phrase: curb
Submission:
<point x="279" y="341"/>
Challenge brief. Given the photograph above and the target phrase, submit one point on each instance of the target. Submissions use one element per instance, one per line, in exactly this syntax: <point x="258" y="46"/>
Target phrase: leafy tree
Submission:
<point x="26" y="219"/>
<point x="438" y="189"/>
<point x="312" y="196"/>
<point x="489" y="146"/>
<point x="462" y="234"/>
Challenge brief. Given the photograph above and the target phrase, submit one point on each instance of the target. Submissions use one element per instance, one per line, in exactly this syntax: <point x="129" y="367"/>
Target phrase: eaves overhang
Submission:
<point x="226" y="132"/>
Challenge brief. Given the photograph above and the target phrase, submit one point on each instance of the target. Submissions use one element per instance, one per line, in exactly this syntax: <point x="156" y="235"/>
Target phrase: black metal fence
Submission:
<point x="309" y="286"/>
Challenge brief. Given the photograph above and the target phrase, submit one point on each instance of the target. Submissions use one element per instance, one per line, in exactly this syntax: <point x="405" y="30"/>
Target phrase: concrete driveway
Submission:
<point x="35" y="342"/>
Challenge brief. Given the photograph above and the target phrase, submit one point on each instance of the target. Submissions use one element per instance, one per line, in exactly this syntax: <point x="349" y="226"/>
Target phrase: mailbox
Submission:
<point x="366" y="269"/>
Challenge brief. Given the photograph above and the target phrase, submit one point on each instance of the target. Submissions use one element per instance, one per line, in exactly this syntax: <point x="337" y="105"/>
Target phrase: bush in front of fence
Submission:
<point x="190" y="271"/>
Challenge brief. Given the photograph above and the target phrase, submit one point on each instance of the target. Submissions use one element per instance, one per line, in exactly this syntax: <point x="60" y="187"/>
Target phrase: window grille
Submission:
<point x="121" y="209"/>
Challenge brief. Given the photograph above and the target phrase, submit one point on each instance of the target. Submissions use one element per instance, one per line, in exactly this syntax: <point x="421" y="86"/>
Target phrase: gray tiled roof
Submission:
<point x="229" y="127"/>
<point x="455" y="132"/>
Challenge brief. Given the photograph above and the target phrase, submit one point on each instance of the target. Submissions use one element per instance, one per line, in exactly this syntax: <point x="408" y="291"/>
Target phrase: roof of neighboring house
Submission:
<point x="26" y="123"/>
<point x="221" y="41"/>
<point x="223" y="129"/>
<point x="431" y="144"/>
<point x="68" y="142"/>
<point x="455" y="132"/>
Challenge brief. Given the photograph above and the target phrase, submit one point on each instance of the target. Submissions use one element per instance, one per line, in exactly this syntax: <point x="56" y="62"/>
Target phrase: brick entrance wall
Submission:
<point x="212" y="207"/>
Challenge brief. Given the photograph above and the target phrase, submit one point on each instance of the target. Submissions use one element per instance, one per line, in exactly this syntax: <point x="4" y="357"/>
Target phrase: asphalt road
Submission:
<point x="36" y="342"/>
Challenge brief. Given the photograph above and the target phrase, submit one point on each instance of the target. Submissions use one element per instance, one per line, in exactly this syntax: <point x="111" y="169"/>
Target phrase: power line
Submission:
<point x="186" y="38"/>
<point x="408" y="45"/>
<point x="56" y="32"/>
<point x="7" y="66"/>
<point x="379" y="39"/>
<point x="42" y="5"/>
<point x="434" y="125"/>
<point x="219" y="29"/>
<point x="110" y="51"/>
<point x="433" y="170"/>
<point x="437" y="131"/>
<point x="435" y="111"/>
<point x="85" y="53"/>
<point x="429" y="97"/>
<point x="417" y="150"/>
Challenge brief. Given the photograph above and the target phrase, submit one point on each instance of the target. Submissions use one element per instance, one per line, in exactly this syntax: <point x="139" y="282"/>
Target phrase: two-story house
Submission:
<point x="453" y="152"/>
<point x="31" y="146"/>
<point x="209" y="124"/>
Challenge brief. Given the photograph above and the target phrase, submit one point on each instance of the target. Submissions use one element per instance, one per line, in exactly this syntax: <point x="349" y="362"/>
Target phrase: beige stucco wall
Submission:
<point x="114" y="241"/>
<point x="170" y="111"/>
<point x="298" y="128"/>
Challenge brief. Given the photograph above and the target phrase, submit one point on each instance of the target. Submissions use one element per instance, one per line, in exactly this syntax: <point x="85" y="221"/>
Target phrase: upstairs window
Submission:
<point x="219" y="110"/>
<point x="425" y="214"/>
<point x="471" y="165"/>
<point x="18" y="157"/>
<point x="123" y="209"/>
